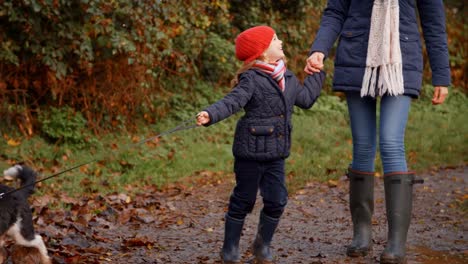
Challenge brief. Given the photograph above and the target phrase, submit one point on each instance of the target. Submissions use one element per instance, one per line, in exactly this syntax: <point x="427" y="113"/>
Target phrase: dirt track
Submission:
<point x="183" y="224"/>
<point x="315" y="228"/>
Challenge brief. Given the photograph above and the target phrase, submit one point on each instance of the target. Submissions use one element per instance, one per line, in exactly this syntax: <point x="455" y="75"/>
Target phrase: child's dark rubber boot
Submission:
<point x="398" y="201"/>
<point x="232" y="232"/>
<point x="261" y="246"/>
<point x="361" y="204"/>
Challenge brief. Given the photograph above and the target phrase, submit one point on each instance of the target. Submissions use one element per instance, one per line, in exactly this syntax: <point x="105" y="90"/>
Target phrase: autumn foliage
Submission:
<point x="114" y="62"/>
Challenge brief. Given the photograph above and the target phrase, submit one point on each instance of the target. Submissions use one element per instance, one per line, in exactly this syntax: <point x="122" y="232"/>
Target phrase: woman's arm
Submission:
<point x="332" y="22"/>
<point x="432" y="15"/>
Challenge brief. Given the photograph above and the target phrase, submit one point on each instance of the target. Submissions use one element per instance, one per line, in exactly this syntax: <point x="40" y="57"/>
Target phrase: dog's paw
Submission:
<point x="25" y="255"/>
<point x="3" y="255"/>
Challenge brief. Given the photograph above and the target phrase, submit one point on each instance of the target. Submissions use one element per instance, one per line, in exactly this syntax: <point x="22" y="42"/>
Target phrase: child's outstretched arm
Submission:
<point x="310" y="91"/>
<point x="230" y="104"/>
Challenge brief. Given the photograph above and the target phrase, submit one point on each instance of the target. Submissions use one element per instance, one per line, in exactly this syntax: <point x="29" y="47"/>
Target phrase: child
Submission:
<point x="268" y="92"/>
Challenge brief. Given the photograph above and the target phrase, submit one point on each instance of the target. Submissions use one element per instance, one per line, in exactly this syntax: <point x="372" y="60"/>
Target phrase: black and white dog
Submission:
<point x="15" y="213"/>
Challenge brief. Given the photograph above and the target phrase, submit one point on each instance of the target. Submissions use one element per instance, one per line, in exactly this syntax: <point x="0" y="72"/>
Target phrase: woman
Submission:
<point x="379" y="54"/>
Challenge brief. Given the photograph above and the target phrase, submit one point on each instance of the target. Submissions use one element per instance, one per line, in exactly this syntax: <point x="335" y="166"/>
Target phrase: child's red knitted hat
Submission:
<point x="251" y="43"/>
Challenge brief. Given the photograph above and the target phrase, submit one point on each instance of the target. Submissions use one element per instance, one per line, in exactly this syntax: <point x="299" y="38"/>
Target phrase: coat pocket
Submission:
<point x="352" y="48"/>
<point x="261" y="130"/>
<point x="411" y="52"/>
<point x="261" y="138"/>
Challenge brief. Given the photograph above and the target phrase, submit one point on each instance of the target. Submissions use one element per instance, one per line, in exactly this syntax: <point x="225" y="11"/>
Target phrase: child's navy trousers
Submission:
<point x="269" y="177"/>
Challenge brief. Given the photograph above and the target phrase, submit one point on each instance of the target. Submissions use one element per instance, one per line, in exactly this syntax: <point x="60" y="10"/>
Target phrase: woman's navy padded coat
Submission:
<point x="350" y="21"/>
<point x="264" y="132"/>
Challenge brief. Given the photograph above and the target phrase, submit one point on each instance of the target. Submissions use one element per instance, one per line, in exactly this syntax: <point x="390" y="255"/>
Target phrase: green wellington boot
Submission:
<point x="361" y="203"/>
<point x="398" y="201"/>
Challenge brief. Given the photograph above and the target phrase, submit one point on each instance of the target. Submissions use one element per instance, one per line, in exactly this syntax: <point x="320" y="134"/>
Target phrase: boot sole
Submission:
<point x="384" y="260"/>
<point x="228" y="261"/>
<point x="260" y="261"/>
<point x="355" y="253"/>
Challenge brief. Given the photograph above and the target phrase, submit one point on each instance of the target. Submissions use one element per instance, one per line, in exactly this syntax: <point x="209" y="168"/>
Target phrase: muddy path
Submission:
<point x="315" y="228"/>
<point x="184" y="223"/>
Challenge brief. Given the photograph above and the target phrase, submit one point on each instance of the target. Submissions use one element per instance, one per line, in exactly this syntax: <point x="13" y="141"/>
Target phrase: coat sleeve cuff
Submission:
<point x="441" y="78"/>
<point x="211" y="118"/>
<point x="318" y="48"/>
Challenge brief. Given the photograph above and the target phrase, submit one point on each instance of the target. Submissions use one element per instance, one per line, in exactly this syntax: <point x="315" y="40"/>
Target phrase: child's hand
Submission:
<point x="203" y="118"/>
<point x="314" y="63"/>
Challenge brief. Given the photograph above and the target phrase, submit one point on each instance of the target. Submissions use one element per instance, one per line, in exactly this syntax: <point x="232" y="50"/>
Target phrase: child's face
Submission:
<point x="275" y="50"/>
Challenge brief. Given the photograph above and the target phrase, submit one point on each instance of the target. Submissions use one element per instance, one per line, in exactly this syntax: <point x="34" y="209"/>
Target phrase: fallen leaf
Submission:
<point x="13" y="143"/>
<point x="332" y="183"/>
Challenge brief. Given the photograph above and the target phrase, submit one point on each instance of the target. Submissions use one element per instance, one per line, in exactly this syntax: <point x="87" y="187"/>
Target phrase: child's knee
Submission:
<point x="239" y="208"/>
<point x="274" y="210"/>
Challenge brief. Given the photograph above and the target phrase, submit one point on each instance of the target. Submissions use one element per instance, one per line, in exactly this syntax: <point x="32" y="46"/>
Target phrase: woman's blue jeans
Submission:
<point x="393" y="118"/>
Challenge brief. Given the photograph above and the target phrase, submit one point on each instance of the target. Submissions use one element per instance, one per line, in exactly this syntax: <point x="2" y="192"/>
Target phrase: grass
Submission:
<point x="438" y="135"/>
<point x="321" y="150"/>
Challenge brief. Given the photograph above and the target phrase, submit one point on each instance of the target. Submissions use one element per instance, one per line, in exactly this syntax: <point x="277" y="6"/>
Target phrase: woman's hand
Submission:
<point x="314" y="63"/>
<point x="203" y="118"/>
<point x="440" y="93"/>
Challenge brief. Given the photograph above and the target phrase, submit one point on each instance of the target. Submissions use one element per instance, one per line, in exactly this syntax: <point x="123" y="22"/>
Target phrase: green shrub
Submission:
<point x="64" y="126"/>
<point x="218" y="59"/>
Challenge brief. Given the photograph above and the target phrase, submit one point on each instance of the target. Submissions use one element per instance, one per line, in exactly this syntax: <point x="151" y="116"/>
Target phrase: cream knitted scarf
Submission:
<point x="384" y="69"/>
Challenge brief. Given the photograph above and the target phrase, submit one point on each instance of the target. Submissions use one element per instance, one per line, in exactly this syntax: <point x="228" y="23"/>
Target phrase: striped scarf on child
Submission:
<point x="275" y="70"/>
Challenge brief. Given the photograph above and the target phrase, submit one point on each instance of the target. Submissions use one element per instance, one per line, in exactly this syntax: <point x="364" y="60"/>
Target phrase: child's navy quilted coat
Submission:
<point x="264" y="132"/>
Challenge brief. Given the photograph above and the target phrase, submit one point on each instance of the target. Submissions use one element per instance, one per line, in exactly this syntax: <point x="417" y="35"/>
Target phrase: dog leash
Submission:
<point x="185" y="125"/>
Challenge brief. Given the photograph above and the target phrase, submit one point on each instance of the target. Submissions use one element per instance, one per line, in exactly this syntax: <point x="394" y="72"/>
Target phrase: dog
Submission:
<point x="15" y="213"/>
